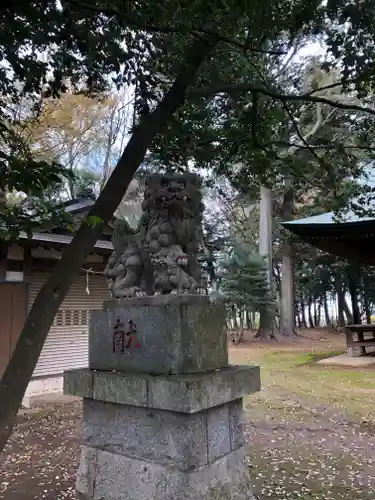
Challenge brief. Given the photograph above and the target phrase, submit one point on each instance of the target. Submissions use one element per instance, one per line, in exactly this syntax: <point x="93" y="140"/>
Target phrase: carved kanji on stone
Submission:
<point x="131" y="335"/>
<point x="124" y="338"/>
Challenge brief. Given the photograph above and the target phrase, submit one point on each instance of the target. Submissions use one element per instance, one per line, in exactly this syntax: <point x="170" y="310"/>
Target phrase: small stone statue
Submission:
<point x="160" y="256"/>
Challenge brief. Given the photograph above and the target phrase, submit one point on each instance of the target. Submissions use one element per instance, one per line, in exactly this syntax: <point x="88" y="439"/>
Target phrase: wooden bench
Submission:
<point x="358" y="347"/>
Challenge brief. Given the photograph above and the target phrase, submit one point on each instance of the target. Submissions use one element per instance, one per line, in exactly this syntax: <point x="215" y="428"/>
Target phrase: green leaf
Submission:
<point x="93" y="220"/>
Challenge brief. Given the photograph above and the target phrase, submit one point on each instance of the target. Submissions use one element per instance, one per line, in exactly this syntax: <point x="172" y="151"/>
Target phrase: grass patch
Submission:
<point x="296" y="372"/>
<point x="302" y="442"/>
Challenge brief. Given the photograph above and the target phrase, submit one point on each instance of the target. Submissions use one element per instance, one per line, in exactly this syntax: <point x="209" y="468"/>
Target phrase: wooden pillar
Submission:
<point x="3" y="260"/>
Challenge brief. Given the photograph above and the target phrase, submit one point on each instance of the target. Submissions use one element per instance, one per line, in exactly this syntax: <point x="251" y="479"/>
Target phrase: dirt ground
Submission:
<point x="310" y="431"/>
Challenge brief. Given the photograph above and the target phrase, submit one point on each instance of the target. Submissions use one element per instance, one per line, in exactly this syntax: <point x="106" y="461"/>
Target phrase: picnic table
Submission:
<point x="358" y="347"/>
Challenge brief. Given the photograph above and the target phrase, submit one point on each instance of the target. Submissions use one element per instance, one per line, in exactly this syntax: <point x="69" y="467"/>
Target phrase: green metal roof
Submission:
<point x="329" y="218"/>
<point x="353" y="237"/>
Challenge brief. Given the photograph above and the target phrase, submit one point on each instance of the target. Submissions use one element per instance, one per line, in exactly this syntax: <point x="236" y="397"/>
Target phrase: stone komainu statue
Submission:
<point x="160" y="256"/>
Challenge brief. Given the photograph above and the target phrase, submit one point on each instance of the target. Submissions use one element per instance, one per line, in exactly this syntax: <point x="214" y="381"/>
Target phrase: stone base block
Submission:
<point x="179" y="393"/>
<point x="105" y="475"/>
<point x="164" y="334"/>
<point x="179" y="440"/>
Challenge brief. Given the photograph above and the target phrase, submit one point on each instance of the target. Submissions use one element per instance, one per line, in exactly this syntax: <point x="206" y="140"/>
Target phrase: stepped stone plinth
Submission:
<point x="162" y="415"/>
<point x="161" y="406"/>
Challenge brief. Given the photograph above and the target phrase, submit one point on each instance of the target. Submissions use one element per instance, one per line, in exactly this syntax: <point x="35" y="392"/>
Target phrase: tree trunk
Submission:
<point x="265" y="229"/>
<point x="315" y="313"/>
<point x="265" y="330"/>
<point x="287" y="324"/>
<point x="298" y="318"/>
<point x="287" y="292"/>
<point x="366" y="299"/>
<point x="265" y="241"/>
<point x="311" y="320"/>
<point x="340" y="298"/>
<point x="326" y="311"/>
<point x="348" y="313"/>
<point x="241" y="313"/>
<point x="298" y="315"/>
<point x="353" y="280"/>
<point x="26" y="353"/>
<point x="319" y="310"/>
<point x="234" y="317"/>
<point x="303" y="313"/>
<point x="249" y="326"/>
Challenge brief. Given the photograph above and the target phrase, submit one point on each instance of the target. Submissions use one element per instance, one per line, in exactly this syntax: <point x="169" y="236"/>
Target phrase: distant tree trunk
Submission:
<point x="311" y="320"/>
<point x="287" y="324"/>
<point x="297" y="316"/>
<point x="326" y="311"/>
<point x="367" y="311"/>
<point x="315" y="317"/>
<point x="298" y="320"/>
<point x="303" y="313"/>
<point x="340" y="298"/>
<point x="249" y="326"/>
<point x="366" y="301"/>
<point x="319" y="310"/>
<point x="234" y="316"/>
<point x="20" y="368"/>
<point x="241" y="314"/>
<point x="228" y="321"/>
<point x="353" y="280"/>
<point x="348" y="313"/>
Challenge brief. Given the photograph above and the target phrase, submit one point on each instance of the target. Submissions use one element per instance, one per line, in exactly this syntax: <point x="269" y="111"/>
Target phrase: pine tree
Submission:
<point x="244" y="284"/>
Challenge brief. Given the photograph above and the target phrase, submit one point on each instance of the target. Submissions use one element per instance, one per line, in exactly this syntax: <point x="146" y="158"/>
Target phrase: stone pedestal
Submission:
<point x="162" y="414"/>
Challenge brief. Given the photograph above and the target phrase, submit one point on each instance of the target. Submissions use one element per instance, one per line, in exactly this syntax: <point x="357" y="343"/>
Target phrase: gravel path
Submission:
<point x="42" y="455"/>
<point x="296" y="451"/>
<point x="308" y="452"/>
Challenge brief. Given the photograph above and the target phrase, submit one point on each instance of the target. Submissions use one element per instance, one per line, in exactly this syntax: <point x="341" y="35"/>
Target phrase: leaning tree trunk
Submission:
<point x="26" y="353"/>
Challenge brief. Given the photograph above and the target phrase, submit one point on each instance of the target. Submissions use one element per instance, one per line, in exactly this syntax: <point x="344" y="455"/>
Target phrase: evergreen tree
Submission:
<point x="244" y="285"/>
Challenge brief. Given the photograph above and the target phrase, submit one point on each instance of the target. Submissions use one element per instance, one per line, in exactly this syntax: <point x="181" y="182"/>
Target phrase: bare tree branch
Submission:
<point x="307" y="97"/>
<point x="300" y="135"/>
<point x="297" y="146"/>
